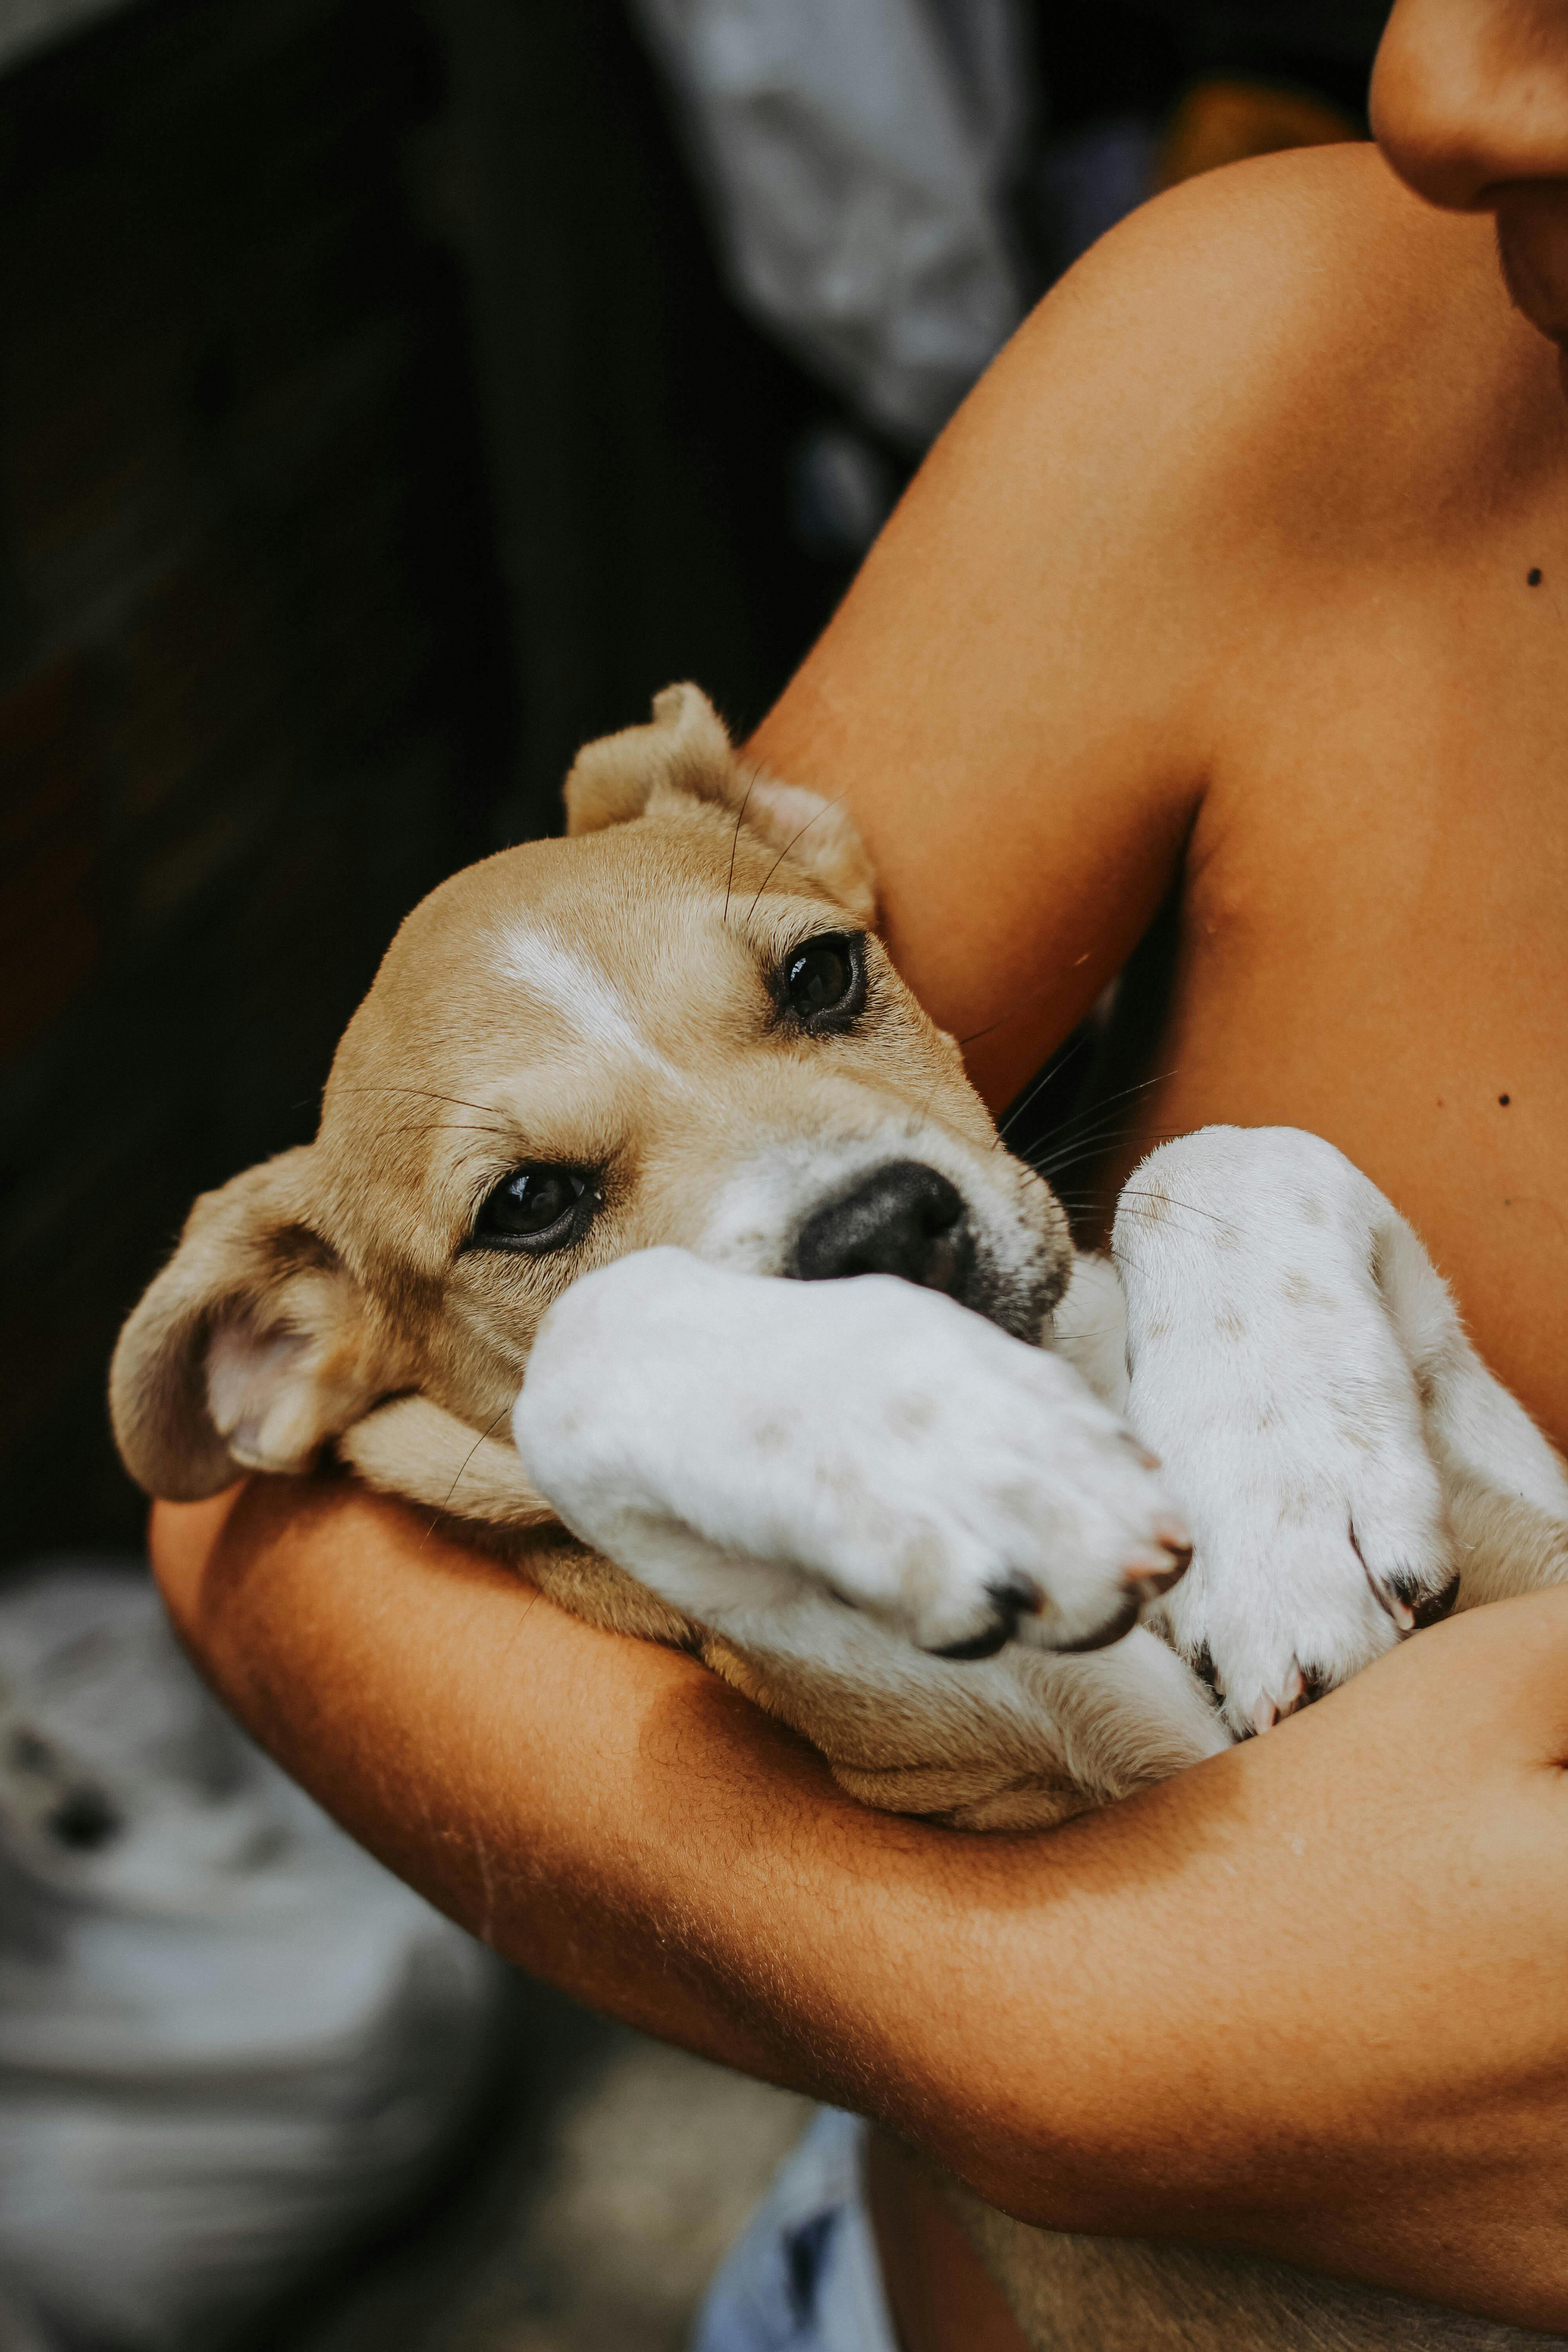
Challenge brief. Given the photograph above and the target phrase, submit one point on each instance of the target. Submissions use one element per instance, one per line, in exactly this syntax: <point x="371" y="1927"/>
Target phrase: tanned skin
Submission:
<point x="1224" y="581"/>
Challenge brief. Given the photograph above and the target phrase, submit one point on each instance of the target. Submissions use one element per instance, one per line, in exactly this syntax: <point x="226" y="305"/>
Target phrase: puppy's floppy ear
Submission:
<point x="684" y="748"/>
<point x="251" y="1348"/>
<point x="685" y="753"/>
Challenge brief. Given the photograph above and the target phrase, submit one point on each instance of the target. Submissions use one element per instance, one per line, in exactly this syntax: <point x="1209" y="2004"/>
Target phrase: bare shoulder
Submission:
<point x="1249" y="342"/>
<point x="1023" y="699"/>
<point x="1295" y="328"/>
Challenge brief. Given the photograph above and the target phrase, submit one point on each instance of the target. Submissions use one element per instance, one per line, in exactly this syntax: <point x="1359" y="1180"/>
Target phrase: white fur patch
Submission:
<point x="583" y="997"/>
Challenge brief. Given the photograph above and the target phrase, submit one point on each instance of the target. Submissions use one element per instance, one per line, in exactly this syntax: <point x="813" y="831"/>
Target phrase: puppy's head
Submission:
<point x="674" y="1027"/>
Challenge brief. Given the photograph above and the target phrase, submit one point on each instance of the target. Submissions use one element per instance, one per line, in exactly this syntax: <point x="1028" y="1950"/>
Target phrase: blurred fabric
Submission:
<point x="805" y="2277"/>
<point x="229" y="2039"/>
<point x="856" y="153"/>
<point x="27" y="24"/>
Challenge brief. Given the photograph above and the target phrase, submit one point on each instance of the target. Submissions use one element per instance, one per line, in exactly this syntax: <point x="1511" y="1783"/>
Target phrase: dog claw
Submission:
<point x="1294" y="1692"/>
<point x="995" y="1637"/>
<point x="1113" y="1629"/>
<point x="1020" y="1596"/>
<point x="1389" y="1600"/>
<point x="1410" y="1616"/>
<point x="1432" y="1612"/>
<point x="1150" y="1573"/>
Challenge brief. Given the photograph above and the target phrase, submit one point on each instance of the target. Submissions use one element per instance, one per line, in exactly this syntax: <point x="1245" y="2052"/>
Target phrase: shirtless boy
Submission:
<point x="1244" y="570"/>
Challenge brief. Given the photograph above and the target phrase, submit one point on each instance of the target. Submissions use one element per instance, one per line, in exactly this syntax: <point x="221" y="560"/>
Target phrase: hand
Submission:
<point x="1306" y="1999"/>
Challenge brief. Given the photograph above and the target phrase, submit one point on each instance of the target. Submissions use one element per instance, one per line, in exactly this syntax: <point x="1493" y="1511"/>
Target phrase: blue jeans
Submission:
<point x="805" y="2277"/>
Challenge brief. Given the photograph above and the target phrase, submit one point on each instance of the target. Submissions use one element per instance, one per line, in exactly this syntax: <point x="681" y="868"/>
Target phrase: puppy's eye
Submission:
<point x="822" y="983"/>
<point x="535" y="1209"/>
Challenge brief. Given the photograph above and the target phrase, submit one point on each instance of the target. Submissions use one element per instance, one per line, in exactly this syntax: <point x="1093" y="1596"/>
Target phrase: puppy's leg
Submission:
<point x="1505" y="1486"/>
<point x="731" y="1439"/>
<point x="1270" y="1375"/>
<point x="413" y="1449"/>
<point x="1089" y="1328"/>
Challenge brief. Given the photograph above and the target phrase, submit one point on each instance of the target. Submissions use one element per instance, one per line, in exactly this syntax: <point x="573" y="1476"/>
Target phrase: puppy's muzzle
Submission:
<point x="903" y="1219"/>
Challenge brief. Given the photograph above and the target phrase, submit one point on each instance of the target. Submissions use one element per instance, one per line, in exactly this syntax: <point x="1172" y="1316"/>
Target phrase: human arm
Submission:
<point x="1242" y="2008"/>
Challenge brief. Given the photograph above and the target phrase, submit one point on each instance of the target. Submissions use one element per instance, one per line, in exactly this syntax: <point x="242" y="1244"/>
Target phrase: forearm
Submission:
<point x="1192" y="2014"/>
<point x="606" y="1813"/>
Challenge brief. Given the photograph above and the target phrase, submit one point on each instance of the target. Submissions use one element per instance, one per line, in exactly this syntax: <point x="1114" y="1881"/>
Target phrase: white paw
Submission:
<point x="1307" y="1570"/>
<point x="725" y="1436"/>
<point x="1267" y="1373"/>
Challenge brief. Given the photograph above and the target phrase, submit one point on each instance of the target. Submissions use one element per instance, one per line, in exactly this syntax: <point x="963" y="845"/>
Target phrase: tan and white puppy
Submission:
<point x="604" y="1093"/>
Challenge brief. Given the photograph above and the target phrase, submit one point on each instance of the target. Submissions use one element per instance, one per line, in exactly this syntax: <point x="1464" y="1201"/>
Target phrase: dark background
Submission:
<point x="373" y="428"/>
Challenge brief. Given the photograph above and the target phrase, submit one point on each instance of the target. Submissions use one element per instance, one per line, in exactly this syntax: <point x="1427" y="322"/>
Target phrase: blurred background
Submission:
<point x="392" y="395"/>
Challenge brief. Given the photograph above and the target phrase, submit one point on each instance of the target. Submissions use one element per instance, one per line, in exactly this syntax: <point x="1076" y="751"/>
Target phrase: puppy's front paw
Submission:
<point x="982" y="1494"/>
<point x="1267" y="1370"/>
<point x="1306" y="1572"/>
<point x="733" y="1440"/>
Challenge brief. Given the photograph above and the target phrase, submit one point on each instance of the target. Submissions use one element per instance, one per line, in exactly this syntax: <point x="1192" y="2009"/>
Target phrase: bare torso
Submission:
<point x="1375" y="933"/>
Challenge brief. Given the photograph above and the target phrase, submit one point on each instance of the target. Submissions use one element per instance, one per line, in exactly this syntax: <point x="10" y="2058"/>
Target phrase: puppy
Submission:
<point x="603" y="1093"/>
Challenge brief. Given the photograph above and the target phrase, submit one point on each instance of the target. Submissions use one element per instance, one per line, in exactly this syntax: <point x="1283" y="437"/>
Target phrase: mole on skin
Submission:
<point x="1533" y="579"/>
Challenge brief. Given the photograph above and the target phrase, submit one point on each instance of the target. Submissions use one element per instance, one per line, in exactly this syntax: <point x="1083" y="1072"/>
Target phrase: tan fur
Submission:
<point x="685" y="752"/>
<point x="881" y="1752"/>
<point x="411" y="1448"/>
<point x="252" y="1257"/>
<point x="322" y="1299"/>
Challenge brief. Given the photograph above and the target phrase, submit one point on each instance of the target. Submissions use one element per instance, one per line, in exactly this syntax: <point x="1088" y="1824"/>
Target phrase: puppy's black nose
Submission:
<point x="903" y="1219"/>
